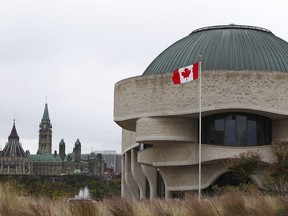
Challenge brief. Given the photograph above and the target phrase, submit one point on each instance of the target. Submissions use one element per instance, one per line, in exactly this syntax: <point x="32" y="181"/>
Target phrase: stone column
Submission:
<point x="151" y="175"/>
<point x="138" y="174"/>
<point x="129" y="180"/>
<point x="124" y="190"/>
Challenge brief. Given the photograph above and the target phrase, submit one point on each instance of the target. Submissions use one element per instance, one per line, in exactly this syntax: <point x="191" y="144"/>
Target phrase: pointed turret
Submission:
<point x="45" y="118"/>
<point x="13" y="147"/>
<point x="62" y="143"/>
<point x="13" y="134"/>
<point x="62" y="149"/>
<point x="77" y="142"/>
<point x="77" y="151"/>
<point x="45" y="133"/>
<point x="13" y="158"/>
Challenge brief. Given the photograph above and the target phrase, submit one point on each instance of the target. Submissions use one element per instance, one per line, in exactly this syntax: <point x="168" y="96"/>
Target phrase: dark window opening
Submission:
<point x="236" y="129"/>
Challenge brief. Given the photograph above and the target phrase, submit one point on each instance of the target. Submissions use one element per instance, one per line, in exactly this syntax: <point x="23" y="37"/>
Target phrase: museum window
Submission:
<point x="236" y="129"/>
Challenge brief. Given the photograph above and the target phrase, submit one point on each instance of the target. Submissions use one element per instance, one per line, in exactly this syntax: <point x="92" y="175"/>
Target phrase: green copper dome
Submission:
<point x="225" y="47"/>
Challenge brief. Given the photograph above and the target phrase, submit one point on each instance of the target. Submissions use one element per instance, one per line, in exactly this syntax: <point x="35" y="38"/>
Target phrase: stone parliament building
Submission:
<point x="14" y="160"/>
<point x="244" y="107"/>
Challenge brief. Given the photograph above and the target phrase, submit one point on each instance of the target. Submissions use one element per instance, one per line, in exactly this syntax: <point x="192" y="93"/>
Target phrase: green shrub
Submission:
<point x="244" y="165"/>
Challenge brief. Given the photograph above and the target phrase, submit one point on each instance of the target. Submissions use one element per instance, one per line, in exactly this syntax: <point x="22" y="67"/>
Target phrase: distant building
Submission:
<point x="14" y="160"/>
<point x="112" y="160"/>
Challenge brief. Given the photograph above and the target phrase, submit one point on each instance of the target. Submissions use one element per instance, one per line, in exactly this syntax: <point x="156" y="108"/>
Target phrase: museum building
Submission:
<point x="244" y="107"/>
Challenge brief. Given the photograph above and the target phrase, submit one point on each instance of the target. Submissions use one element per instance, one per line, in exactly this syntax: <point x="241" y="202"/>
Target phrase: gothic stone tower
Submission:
<point x="62" y="149"/>
<point x="77" y="151"/>
<point x="45" y="134"/>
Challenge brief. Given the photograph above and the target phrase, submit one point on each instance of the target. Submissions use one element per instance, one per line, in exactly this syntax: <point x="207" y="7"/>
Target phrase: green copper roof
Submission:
<point x="225" y="47"/>
<point x="45" y="158"/>
<point x="45" y="117"/>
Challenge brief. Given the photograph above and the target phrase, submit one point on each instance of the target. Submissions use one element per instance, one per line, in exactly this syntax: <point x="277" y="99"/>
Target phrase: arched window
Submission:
<point x="236" y="129"/>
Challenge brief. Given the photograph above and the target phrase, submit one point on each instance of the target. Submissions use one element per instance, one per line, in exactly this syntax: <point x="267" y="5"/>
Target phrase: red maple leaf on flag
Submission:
<point x="186" y="73"/>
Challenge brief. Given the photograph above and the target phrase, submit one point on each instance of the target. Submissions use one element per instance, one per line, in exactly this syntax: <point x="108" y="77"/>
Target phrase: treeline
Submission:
<point x="67" y="186"/>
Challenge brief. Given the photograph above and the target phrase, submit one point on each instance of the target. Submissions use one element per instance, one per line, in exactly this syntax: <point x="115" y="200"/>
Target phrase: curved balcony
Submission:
<point x="163" y="129"/>
<point x="187" y="154"/>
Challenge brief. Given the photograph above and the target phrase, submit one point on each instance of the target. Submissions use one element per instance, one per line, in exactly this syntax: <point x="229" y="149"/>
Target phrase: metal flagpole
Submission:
<point x="200" y="149"/>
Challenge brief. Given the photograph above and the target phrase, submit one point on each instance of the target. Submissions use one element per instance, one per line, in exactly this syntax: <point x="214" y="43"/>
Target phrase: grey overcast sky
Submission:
<point x="74" y="52"/>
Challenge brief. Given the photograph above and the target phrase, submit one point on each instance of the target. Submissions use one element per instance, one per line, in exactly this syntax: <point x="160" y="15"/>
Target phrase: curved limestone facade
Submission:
<point x="160" y="125"/>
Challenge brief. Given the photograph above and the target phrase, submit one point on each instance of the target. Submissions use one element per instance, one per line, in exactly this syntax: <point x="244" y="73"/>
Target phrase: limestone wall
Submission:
<point x="156" y="95"/>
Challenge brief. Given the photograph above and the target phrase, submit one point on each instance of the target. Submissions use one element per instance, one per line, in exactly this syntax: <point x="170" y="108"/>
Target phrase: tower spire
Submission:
<point x="45" y="133"/>
<point x="13" y="134"/>
<point x="45" y="118"/>
<point x="13" y="154"/>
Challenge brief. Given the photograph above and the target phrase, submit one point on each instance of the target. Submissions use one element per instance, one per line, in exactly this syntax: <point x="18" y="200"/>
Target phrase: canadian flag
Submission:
<point x="186" y="74"/>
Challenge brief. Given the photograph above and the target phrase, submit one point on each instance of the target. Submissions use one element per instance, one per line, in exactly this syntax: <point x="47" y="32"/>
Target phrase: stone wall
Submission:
<point x="156" y="95"/>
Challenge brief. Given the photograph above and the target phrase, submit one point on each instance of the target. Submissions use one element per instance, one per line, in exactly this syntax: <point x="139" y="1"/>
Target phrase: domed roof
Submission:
<point x="225" y="47"/>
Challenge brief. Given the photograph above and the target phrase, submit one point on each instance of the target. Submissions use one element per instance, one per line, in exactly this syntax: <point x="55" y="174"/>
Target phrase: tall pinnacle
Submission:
<point x="45" y="118"/>
<point x="45" y="133"/>
<point x="13" y="134"/>
<point x="77" y="142"/>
